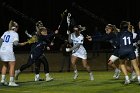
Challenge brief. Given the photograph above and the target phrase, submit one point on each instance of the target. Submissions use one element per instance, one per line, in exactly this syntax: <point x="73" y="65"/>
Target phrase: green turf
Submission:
<point x="63" y="83"/>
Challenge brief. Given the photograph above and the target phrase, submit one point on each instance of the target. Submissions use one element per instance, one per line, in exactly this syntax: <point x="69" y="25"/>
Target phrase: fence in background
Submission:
<point x="54" y="58"/>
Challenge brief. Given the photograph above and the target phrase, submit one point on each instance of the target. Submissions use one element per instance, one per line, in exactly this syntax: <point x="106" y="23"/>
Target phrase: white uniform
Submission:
<point x="79" y="51"/>
<point x="6" y="49"/>
<point x="135" y="44"/>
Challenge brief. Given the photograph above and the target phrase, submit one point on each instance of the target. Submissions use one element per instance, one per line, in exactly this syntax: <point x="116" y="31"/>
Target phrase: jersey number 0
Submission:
<point x="6" y="38"/>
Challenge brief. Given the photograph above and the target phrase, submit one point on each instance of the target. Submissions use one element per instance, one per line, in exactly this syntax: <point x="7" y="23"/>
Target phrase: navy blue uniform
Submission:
<point x="112" y="38"/>
<point x="125" y="43"/>
<point x="37" y="51"/>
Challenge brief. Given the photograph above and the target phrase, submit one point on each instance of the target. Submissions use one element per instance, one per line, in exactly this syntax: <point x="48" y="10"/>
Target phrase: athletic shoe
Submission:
<point x="133" y="76"/>
<point x="117" y="74"/>
<point x="13" y="84"/>
<point x="127" y="82"/>
<point x="75" y="75"/>
<point x="3" y="82"/>
<point x="36" y="78"/>
<point x="139" y="82"/>
<point x="48" y="78"/>
<point x="17" y="74"/>
<point x="91" y="76"/>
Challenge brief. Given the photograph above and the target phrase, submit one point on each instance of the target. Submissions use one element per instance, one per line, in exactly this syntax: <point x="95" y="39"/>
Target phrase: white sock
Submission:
<point x="11" y="79"/>
<point x="126" y="78"/>
<point x="3" y="77"/>
<point x="75" y="71"/>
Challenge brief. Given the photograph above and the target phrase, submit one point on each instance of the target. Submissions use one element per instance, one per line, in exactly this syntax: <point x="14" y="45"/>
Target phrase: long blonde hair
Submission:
<point x="12" y="25"/>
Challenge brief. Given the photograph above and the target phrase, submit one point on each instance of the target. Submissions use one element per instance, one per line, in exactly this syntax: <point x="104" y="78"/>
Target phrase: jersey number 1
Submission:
<point x="127" y="40"/>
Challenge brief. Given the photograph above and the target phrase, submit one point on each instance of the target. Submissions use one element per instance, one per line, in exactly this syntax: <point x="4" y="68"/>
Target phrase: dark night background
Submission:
<point x="89" y="13"/>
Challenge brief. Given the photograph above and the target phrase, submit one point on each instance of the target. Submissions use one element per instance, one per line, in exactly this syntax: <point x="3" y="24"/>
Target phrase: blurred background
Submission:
<point x="94" y="15"/>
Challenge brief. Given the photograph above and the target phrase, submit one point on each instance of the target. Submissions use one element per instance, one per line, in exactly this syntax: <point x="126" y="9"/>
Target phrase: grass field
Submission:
<point x="64" y="83"/>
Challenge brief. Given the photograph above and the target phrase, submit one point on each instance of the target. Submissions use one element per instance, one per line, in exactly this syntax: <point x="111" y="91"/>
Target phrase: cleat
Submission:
<point x="133" y="76"/>
<point x="117" y="74"/>
<point x="127" y="82"/>
<point x="48" y="78"/>
<point x="139" y="82"/>
<point x="4" y="83"/>
<point x="16" y="74"/>
<point x="13" y="84"/>
<point x="91" y="76"/>
<point x="38" y="79"/>
<point x="75" y="76"/>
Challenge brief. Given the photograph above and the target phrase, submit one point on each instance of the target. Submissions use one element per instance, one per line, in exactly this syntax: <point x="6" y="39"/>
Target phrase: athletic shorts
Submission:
<point x="82" y="56"/>
<point x="7" y="56"/>
<point x="130" y="54"/>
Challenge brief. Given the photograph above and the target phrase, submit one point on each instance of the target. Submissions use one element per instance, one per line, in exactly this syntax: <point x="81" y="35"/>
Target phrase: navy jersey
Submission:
<point x="39" y="47"/>
<point x="111" y="37"/>
<point x="125" y="42"/>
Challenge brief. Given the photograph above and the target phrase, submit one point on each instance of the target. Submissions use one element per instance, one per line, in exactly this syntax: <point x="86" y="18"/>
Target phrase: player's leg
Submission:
<point x="123" y="67"/>
<point x="73" y="61"/>
<point x="111" y="63"/>
<point x="3" y="73"/>
<point x="37" y="70"/>
<point x="130" y="69"/>
<point x="133" y="73"/>
<point x="46" y="68"/>
<point x="136" y="68"/>
<point x="30" y="61"/>
<point x="11" y="73"/>
<point x="85" y="65"/>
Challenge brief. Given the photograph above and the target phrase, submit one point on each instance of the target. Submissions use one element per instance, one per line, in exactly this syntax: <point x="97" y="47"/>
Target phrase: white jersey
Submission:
<point x="79" y="51"/>
<point x="8" y="38"/>
<point x="134" y="36"/>
<point x="135" y="44"/>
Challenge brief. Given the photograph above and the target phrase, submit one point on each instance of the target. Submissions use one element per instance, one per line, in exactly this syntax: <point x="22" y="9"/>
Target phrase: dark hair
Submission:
<point x="124" y="25"/>
<point x="76" y="26"/>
